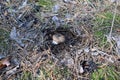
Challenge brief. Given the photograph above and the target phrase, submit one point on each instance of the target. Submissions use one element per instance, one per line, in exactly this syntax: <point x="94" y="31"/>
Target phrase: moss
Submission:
<point x="45" y="3"/>
<point x="26" y="76"/>
<point x="4" y="43"/>
<point x="59" y="73"/>
<point x="102" y="25"/>
<point x="105" y="73"/>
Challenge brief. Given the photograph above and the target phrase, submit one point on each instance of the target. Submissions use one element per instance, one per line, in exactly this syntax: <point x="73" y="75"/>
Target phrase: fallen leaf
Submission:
<point x="118" y="30"/>
<point x="4" y="63"/>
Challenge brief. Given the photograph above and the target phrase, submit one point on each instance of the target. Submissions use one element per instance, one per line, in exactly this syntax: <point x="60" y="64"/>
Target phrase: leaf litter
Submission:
<point x="31" y="38"/>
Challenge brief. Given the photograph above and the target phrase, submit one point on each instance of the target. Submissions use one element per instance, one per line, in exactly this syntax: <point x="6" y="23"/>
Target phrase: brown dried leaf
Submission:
<point x="4" y="63"/>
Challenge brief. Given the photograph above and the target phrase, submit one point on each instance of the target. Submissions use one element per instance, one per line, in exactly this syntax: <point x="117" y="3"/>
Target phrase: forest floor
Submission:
<point x="90" y="49"/>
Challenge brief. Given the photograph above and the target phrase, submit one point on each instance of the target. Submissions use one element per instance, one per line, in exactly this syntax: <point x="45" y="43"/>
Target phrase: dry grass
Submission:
<point x="91" y="29"/>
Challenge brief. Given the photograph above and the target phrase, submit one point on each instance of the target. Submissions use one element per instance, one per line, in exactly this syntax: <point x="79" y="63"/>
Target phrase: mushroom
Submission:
<point x="58" y="38"/>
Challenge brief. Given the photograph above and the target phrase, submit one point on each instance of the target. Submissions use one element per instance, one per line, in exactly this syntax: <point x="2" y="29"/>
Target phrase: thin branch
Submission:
<point x="112" y="25"/>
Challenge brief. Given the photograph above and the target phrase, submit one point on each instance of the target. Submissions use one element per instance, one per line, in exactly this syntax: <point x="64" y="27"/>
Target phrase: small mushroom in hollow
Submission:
<point x="58" y="38"/>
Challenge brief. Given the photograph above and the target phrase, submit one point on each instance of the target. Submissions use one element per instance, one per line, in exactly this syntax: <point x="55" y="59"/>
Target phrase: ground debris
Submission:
<point x="54" y="43"/>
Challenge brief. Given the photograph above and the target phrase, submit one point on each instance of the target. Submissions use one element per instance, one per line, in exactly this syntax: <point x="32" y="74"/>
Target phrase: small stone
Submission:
<point x="81" y="69"/>
<point x="94" y="53"/>
<point x="56" y="8"/>
<point x="70" y="63"/>
<point x="86" y="50"/>
<point x="94" y="49"/>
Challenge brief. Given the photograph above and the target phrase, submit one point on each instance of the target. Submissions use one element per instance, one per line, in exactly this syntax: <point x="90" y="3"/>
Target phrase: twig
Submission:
<point x="113" y="20"/>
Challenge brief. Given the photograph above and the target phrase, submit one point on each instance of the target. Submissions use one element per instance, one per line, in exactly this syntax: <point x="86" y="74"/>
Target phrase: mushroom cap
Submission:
<point x="58" y="38"/>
